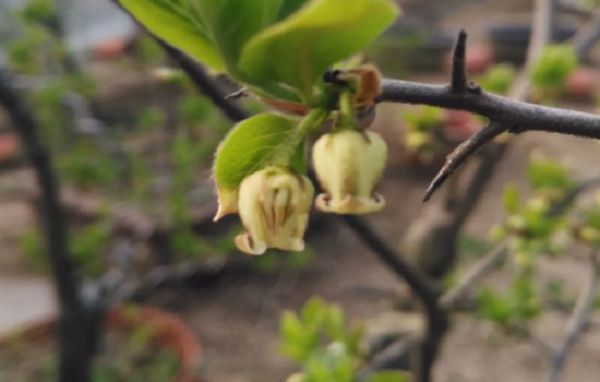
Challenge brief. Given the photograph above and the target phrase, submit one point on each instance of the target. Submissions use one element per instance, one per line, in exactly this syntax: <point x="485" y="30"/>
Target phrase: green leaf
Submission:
<point x="289" y="7"/>
<point x="297" y="51"/>
<point x="171" y="22"/>
<point x="253" y="144"/>
<point x="511" y="199"/>
<point x="547" y="174"/>
<point x="498" y="78"/>
<point x="554" y="66"/>
<point x="231" y="23"/>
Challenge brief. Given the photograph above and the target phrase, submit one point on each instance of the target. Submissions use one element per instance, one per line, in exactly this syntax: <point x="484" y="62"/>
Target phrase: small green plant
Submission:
<point x="550" y="73"/>
<point x="424" y="131"/>
<point x="88" y="247"/>
<point x="498" y="79"/>
<point x="327" y="347"/>
<point x="539" y="226"/>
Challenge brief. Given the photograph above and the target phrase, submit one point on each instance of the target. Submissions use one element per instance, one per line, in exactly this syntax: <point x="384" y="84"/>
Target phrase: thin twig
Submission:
<point x="462" y="153"/>
<point x="546" y="349"/>
<point x="574" y="8"/>
<point x="587" y="37"/>
<point x="579" y="319"/>
<point x="480" y="270"/>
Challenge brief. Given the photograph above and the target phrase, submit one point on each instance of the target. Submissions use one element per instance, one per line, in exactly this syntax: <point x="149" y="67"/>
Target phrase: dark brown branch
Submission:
<point x="506" y="115"/>
<point x="516" y="115"/>
<point x="462" y="153"/>
<point x="423" y="288"/>
<point x="76" y="337"/>
<point x="55" y="222"/>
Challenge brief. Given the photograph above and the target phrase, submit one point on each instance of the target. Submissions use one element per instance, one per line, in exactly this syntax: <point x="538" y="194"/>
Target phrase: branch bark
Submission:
<point x="508" y="115"/>
<point x="76" y="339"/>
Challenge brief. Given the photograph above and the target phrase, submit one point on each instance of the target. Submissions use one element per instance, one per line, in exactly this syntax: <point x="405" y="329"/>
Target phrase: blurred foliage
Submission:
<point x="130" y="355"/>
<point x="550" y="73"/>
<point x="275" y="260"/>
<point x="89" y="247"/>
<point x="121" y="157"/>
<point x="537" y="226"/>
<point x="498" y="79"/>
<point x="423" y="132"/>
<point x="516" y="306"/>
<point x="587" y="228"/>
<point x="320" y="339"/>
<point x="546" y="223"/>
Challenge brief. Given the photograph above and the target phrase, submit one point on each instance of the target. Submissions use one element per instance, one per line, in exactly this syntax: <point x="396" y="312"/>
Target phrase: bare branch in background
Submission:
<point x="587" y="37"/>
<point x="76" y="331"/>
<point x="579" y="319"/>
<point x="574" y="8"/>
<point x="423" y="288"/>
<point x="486" y="265"/>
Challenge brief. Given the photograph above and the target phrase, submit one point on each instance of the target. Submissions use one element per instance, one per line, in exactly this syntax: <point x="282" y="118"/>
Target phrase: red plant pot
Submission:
<point x="582" y="83"/>
<point x="169" y="331"/>
<point x="459" y="125"/>
<point x="110" y="49"/>
<point x="9" y="147"/>
<point x="479" y="58"/>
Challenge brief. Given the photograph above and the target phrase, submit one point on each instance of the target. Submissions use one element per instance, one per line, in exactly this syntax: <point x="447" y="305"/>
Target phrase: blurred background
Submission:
<point x="133" y="141"/>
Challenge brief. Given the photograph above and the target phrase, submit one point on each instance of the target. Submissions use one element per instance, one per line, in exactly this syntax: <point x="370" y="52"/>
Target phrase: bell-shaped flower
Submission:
<point x="274" y="205"/>
<point x="349" y="163"/>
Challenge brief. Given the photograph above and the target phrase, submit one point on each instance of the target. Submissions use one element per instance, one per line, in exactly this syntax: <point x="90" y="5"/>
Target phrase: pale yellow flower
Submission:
<point x="274" y="205"/>
<point x="349" y="163"/>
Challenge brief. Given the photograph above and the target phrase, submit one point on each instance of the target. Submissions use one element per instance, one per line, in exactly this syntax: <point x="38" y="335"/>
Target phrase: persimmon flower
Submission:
<point x="349" y="163"/>
<point x="274" y="205"/>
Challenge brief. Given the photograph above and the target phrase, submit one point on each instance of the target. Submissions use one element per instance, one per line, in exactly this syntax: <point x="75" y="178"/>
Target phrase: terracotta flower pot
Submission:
<point x="582" y="83"/>
<point x="459" y="125"/>
<point x="479" y="58"/>
<point x="169" y="331"/>
<point x="9" y="147"/>
<point x="456" y="127"/>
<point x="110" y="49"/>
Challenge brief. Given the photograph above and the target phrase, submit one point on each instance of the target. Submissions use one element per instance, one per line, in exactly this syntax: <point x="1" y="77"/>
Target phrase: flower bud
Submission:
<point x="274" y="205"/>
<point x="348" y="164"/>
